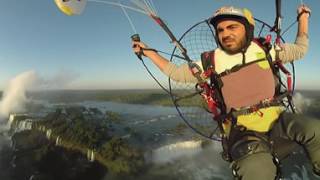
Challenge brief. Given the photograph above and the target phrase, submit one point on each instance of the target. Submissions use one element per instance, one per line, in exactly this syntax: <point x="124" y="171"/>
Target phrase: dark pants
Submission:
<point x="302" y="129"/>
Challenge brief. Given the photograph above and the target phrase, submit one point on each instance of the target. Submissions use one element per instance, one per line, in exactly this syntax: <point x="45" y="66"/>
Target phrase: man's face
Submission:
<point x="232" y="36"/>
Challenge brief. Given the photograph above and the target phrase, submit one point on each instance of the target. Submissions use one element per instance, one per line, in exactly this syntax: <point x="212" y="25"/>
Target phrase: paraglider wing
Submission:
<point x="71" y="7"/>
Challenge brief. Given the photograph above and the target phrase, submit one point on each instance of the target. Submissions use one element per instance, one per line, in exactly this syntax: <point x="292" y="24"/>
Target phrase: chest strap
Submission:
<point x="255" y="108"/>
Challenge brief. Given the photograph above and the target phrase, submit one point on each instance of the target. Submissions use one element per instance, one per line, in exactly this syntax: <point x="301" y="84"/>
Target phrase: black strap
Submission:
<point x="266" y="46"/>
<point x="264" y="104"/>
<point x="158" y="51"/>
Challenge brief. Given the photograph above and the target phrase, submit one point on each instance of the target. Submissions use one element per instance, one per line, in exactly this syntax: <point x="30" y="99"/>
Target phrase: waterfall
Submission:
<point x="24" y="125"/>
<point x="42" y="128"/>
<point x="19" y="122"/>
<point x="189" y="161"/>
<point x="48" y="133"/>
<point x="58" y="141"/>
<point x="13" y="144"/>
<point x="11" y="119"/>
<point x="175" y="151"/>
<point x="90" y="155"/>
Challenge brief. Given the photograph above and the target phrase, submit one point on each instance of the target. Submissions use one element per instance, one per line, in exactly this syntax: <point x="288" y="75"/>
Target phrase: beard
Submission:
<point x="239" y="47"/>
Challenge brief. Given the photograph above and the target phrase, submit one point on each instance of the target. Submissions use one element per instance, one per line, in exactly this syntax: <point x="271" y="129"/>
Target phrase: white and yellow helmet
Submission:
<point x="243" y="16"/>
<point x="230" y="12"/>
<point x="71" y="7"/>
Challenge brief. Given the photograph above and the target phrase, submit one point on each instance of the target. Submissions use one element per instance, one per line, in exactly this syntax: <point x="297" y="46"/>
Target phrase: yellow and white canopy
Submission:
<point x="71" y="7"/>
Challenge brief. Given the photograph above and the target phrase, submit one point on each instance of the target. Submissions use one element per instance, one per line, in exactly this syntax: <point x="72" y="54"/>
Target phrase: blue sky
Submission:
<point x="94" y="48"/>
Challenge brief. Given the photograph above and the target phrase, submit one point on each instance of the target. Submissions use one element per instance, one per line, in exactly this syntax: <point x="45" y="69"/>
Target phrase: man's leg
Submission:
<point x="255" y="166"/>
<point x="306" y="131"/>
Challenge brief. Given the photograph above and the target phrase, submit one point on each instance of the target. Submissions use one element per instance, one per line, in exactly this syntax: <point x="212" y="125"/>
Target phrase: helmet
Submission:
<point x="229" y="12"/>
<point x="244" y="16"/>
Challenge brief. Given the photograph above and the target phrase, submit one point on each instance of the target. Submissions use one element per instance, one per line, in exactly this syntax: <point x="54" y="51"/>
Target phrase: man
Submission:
<point x="244" y="66"/>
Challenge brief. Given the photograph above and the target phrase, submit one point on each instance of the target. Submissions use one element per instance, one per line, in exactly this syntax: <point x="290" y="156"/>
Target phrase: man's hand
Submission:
<point x="138" y="47"/>
<point x="303" y="11"/>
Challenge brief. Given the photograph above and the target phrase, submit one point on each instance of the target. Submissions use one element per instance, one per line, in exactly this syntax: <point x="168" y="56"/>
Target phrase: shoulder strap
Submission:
<point x="266" y="46"/>
<point x="208" y="64"/>
<point x="263" y="43"/>
<point x="207" y="60"/>
<point x="276" y="67"/>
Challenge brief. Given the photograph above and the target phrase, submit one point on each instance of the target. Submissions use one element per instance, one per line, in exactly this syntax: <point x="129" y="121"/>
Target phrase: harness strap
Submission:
<point x="240" y="140"/>
<point x="265" y="44"/>
<point x="238" y="67"/>
<point x="255" y="108"/>
<point x="207" y="93"/>
<point x="213" y="97"/>
<point x="287" y="73"/>
<point x="208" y="63"/>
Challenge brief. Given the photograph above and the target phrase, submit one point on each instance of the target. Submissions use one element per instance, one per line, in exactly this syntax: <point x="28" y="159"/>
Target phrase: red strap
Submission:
<point x="289" y="82"/>
<point x="208" y="95"/>
<point x="257" y="110"/>
<point x="268" y="38"/>
<point x="287" y="73"/>
<point x="209" y="56"/>
<point x="262" y="45"/>
<point x="212" y="59"/>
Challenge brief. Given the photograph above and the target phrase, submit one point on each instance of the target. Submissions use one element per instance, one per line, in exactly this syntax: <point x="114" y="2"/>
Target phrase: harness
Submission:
<point x="216" y="84"/>
<point x="212" y="94"/>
